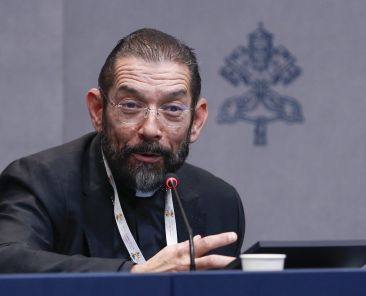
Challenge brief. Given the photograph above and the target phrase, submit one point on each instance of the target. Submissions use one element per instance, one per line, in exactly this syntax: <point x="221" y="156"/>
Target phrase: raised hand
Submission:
<point x="176" y="257"/>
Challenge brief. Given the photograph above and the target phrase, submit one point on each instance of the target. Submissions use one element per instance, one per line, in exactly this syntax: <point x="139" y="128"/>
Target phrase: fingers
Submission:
<point x="213" y="261"/>
<point x="211" y="242"/>
<point x="171" y="258"/>
<point x="176" y="257"/>
<point x="196" y="237"/>
<point x="184" y="246"/>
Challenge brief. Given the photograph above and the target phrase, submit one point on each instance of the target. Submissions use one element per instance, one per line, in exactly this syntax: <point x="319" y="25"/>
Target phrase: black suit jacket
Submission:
<point x="56" y="212"/>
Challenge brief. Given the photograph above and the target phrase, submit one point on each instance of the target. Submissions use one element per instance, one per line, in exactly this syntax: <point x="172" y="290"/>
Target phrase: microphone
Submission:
<point x="171" y="182"/>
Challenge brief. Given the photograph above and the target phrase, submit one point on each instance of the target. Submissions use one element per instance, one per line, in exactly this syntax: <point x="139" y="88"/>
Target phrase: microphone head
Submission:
<point x="171" y="180"/>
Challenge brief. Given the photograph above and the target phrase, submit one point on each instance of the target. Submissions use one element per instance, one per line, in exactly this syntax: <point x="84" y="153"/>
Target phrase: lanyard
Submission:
<point x="126" y="235"/>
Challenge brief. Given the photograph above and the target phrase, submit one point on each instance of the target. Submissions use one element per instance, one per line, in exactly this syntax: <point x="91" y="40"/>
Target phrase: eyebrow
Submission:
<point x="180" y="93"/>
<point x="129" y="90"/>
<point x="175" y="94"/>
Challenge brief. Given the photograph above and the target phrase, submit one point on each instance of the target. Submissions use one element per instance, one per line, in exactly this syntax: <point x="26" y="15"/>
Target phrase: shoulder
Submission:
<point x="212" y="190"/>
<point x="198" y="178"/>
<point x="53" y="159"/>
<point x="49" y="176"/>
<point x="214" y="193"/>
<point x="52" y="172"/>
<point x="65" y="153"/>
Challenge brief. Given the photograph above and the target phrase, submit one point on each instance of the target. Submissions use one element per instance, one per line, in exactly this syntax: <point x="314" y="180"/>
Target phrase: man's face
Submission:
<point x="140" y="154"/>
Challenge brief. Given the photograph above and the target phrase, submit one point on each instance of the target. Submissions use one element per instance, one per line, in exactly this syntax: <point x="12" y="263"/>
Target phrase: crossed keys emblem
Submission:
<point x="169" y="213"/>
<point x="260" y="66"/>
<point x="136" y="256"/>
<point x="119" y="217"/>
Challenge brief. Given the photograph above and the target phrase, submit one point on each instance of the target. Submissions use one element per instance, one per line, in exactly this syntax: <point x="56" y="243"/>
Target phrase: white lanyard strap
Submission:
<point x="169" y="217"/>
<point x="126" y="235"/>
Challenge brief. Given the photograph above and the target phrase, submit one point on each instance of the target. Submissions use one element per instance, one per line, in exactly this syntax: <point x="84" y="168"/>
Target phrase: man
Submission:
<point x="99" y="203"/>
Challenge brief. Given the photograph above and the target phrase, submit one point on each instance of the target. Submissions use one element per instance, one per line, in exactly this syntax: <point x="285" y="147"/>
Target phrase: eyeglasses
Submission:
<point x="130" y="111"/>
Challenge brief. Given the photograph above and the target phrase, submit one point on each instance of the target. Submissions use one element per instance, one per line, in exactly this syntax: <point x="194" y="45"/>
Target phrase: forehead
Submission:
<point x="151" y="77"/>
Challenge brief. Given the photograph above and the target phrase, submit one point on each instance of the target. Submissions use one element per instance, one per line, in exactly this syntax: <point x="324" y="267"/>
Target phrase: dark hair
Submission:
<point x="152" y="46"/>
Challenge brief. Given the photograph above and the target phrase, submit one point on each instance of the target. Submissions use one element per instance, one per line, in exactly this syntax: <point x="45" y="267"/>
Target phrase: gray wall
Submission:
<point x="307" y="183"/>
<point x="31" y="61"/>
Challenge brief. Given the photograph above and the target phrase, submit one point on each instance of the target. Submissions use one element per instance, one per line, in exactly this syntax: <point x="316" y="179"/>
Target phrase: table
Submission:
<point x="309" y="282"/>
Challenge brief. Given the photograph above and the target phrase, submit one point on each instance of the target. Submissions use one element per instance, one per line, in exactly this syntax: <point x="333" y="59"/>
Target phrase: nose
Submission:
<point x="150" y="128"/>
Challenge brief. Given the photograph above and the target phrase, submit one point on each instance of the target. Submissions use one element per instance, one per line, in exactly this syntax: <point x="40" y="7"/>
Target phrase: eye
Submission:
<point x="173" y="108"/>
<point x="130" y="105"/>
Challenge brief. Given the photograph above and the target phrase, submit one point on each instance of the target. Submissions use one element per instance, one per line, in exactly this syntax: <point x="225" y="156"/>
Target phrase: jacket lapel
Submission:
<point x="99" y="223"/>
<point x="194" y="212"/>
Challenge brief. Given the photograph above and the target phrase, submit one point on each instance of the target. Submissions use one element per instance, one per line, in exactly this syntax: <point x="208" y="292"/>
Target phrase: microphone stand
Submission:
<point x="189" y="229"/>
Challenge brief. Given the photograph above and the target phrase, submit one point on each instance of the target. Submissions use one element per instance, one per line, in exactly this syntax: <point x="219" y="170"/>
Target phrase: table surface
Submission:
<point x="348" y="282"/>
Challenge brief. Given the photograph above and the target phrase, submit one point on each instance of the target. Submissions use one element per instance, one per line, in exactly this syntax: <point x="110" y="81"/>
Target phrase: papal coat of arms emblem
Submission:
<point x="260" y="66"/>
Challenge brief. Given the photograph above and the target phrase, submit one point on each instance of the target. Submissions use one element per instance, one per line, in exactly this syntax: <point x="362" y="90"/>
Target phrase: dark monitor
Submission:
<point x="313" y="254"/>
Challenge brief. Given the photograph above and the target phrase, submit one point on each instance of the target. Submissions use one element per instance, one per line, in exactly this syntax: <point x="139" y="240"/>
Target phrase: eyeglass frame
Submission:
<point x="147" y="110"/>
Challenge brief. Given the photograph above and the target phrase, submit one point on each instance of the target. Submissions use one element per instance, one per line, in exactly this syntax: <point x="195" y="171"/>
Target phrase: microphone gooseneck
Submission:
<point x="171" y="182"/>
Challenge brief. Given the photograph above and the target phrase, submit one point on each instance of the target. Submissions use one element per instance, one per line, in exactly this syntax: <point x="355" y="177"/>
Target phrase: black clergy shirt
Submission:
<point x="145" y="218"/>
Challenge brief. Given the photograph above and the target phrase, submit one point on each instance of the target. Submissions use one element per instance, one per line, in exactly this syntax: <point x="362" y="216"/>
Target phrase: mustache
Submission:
<point x="147" y="147"/>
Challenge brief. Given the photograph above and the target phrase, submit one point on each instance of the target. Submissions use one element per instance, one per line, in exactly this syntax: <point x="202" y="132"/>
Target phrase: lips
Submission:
<point x="148" y="157"/>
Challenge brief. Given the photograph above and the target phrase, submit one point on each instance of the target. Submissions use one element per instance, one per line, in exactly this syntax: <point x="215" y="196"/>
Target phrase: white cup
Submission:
<point x="262" y="262"/>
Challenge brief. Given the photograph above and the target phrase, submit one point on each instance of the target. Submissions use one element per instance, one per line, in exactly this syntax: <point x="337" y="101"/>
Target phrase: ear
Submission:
<point x="95" y="106"/>
<point x="199" y="119"/>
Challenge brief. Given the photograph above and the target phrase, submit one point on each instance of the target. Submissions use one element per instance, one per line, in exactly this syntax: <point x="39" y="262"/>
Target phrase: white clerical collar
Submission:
<point x="125" y="232"/>
<point x="143" y="194"/>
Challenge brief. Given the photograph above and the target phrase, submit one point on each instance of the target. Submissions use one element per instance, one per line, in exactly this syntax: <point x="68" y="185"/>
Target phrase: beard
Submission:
<point x="138" y="175"/>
